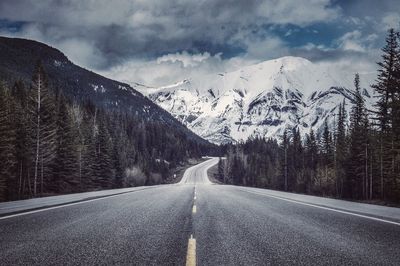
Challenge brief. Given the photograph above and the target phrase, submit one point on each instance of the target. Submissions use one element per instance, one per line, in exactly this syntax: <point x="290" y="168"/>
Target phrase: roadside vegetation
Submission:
<point x="359" y="159"/>
<point x="50" y="144"/>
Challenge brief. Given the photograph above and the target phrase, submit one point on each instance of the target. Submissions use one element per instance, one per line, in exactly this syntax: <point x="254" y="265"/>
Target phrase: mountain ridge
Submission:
<point x="19" y="56"/>
<point x="260" y="100"/>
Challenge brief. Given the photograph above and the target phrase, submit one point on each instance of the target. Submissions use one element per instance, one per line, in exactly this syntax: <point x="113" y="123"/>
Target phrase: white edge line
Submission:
<point x="326" y="208"/>
<point x="64" y="205"/>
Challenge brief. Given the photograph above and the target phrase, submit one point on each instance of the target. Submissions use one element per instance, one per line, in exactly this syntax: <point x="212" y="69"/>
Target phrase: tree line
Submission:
<point x="359" y="159"/>
<point x="50" y="144"/>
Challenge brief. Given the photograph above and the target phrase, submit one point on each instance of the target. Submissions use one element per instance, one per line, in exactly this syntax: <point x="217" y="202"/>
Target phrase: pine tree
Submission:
<point x="104" y="171"/>
<point x="387" y="88"/>
<point x="77" y="116"/>
<point x="22" y="149"/>
<point x="7" y="145"/>
<point x="65" y="167"/>
<point x="327" y="143"/>
<point x="237" y="170"/>
<point x="311" y="159"/>
<point x="220" y="174"/>
<point x="284" y="161"/>
<point x="340" y="150"/>
<point x="41" y="107"/>
<point x="327" y="151"/>
<point x="386" y="82"/>
<point x="357" y="173"/>
<point x="295" y="162"/>
<point x="88" y="160"/>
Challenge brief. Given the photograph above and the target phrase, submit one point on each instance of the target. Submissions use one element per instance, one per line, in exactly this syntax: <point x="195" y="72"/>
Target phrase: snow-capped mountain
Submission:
<point x="260" y="100"/>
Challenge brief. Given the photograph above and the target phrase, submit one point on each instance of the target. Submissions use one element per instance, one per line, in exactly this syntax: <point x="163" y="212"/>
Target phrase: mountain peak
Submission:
<point x="289" y="61"/>
<point x="258" y="100"/>
<point x="281" y="63"/>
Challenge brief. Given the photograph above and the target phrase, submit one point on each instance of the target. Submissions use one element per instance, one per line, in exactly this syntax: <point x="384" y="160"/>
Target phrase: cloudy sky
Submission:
<point x="157" y="42"/>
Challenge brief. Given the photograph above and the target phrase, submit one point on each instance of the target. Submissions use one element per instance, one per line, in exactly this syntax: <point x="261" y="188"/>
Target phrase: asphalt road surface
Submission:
<point x="196" y="221"/>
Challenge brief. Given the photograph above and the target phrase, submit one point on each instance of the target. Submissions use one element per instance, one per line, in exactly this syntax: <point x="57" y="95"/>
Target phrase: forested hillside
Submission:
<point x="50" y="143"/>
<point x="17" y="62"/>
<point x="359" y="160"/>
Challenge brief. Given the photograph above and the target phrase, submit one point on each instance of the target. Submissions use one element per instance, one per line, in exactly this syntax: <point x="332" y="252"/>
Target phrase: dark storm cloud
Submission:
<point x="363" y="8"/>
<point x="125" y="39"/>
<point x="120" y="30"/>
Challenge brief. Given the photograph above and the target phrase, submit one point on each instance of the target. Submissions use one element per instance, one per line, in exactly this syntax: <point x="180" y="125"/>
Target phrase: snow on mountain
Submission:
<point x="260" y="100"/>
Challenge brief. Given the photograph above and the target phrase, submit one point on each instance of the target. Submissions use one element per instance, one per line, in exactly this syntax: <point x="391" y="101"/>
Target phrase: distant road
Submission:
<point x="196" y="221"/>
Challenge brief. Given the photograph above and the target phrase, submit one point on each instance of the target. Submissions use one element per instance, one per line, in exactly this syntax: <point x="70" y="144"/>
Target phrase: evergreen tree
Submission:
<point x="7" y="145"/>
<point x="386" y="82"/>
<point x="327" y="157"/>
<point x="41" y="107"/>
<point x="220" y="174"/>
<point x="295" y="162"/>
<point x="357" y="173"/>
<point x="311" y="159"/>
<point x="340" y="151"/>
<point x="77" y="116"/>
<point x="284" y="161"/>
<point x="66" y="155"/>
<point x="327" y="143"/>
<point x="104" y="171"/>
<point x="237" y="170"/>
<point x="387" y="87"/>
<point x="88" y="160"/>
<point x="22" y="149"/>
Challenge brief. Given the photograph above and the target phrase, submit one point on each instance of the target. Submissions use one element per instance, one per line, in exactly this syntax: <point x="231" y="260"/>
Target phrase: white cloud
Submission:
<point x="357" y="41"/>
<point x="186" y="59"/>
<point x="352" y="65"/>
<point x="79" y="50"/>
<point x="171" y="68"/>
<point x="271" y="47"/>
<point x="143" y="28"/>
<point x="391" y="20"/>
<point x="123" y="37"/>
<point x="311" y="46"/>
<point x="300" y="12"/>
<point x="351" y="41"/>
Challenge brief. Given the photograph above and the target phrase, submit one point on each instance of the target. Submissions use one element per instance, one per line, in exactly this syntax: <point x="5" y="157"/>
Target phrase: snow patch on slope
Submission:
<point x="260" y="100"/>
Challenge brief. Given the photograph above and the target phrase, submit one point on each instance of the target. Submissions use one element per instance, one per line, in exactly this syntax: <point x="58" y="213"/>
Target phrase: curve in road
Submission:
<point x="194" y="222"/>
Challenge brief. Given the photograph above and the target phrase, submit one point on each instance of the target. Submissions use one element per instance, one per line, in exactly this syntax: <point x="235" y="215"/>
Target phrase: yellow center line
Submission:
<point x="191" y="252"/>
<point x="194" y="209"/>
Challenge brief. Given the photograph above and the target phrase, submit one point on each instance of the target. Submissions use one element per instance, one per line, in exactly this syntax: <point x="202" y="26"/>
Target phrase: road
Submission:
<point x="196" y="221"/>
